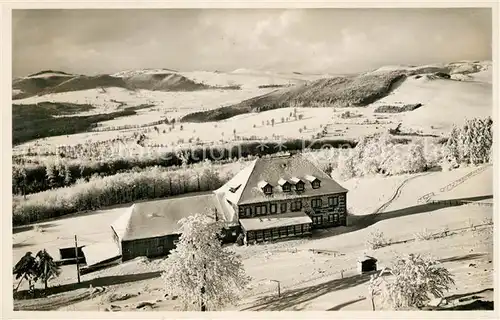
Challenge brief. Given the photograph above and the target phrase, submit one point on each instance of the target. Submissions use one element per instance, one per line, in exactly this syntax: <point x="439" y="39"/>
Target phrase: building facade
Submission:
<point x="282" y="197"/>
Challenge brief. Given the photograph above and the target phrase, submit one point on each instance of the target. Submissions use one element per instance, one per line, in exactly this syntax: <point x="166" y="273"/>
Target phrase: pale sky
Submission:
<point x="308" y="40"/>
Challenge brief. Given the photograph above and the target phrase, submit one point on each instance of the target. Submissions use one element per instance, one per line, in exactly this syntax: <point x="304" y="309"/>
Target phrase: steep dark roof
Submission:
<point x="272" y="170"/>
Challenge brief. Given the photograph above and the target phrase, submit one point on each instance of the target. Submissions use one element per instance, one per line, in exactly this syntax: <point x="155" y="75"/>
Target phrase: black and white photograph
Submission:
<point x="250" y="159"/>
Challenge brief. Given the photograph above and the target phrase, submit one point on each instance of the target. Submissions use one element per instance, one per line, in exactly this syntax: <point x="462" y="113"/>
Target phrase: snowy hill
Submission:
<point x="461" y="67"/>
<point x="367" y="88"/>
<point x="161" y="79"/>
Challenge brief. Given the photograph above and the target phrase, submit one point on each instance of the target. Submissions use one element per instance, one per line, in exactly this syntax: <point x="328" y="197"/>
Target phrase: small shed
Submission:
<point x="366" y="264"/>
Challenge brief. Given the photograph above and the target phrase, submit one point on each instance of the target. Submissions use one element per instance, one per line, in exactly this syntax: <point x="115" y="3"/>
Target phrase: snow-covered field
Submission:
<point x="173" y="104"/>
<point x="248" y="78"/>
<point x="445" y="102"/>
<point x="441" y="100"/>
<point x="315" y="279"/>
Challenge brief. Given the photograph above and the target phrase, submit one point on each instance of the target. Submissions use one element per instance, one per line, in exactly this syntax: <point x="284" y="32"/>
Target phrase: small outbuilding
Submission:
<point x="366" y="264"/>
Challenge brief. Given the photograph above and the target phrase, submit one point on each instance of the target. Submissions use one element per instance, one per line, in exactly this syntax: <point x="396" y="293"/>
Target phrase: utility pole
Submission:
<point x="77" y="265"/>
<point x="279" y="289"/>
<point x="203" y="306"/>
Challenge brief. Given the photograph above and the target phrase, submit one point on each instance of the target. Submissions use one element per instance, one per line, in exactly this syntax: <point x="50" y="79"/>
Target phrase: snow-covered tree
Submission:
<point x="46" y="267"/>
<point x="346" y="168"/>
<point x="414" y="159"/>
<point x="452" y="145"/>
<point x="202" y="274"/>
<point x="67" y="175"/>
<point x="50" y="174"/>
<point x="471" y="143"/>
<point x="413" y="281"/>
<point x="26" y="269"/>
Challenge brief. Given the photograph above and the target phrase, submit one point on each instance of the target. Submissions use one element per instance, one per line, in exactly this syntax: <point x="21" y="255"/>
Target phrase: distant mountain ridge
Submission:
<point x="156" y="79"/>
<point x="344" y="91"/>
<point x="47" y="82"/>
<point x="294" y="87"/>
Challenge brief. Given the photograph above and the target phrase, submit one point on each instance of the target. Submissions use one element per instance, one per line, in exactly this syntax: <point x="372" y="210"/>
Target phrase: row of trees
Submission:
<point x="30" y="178"/>
<point x="98" y="192"/>
<point x="383" y="154"/>
<point x="470" y="144"/>
<point x="42" y="268"/>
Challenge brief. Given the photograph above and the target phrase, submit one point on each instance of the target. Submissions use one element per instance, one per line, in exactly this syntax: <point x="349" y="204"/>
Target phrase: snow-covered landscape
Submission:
<point x="402" y="153"/>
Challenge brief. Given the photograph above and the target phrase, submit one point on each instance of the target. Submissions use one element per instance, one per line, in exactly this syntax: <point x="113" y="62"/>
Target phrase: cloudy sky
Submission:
<point x="310" y="40"/>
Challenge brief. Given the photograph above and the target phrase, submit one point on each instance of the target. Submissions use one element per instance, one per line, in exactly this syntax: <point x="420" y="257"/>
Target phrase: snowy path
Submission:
<point x="398" y="192"/>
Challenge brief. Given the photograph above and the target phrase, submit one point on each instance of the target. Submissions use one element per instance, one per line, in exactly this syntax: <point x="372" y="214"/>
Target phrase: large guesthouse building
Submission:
<point x="272" y="198"/>
<point x="281" y="197"/>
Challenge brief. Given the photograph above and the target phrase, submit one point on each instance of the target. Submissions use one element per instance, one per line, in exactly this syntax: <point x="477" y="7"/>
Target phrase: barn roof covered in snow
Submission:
<point x="158" y="218"/>
<point x="276" y="171"/>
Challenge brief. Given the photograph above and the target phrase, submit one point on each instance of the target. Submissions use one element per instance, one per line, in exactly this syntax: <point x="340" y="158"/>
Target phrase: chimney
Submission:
<point x="216" y="216"/>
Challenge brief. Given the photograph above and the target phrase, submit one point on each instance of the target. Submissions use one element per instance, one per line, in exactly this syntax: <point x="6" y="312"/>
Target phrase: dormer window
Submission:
<point x="299" y="184"/>
<point x="315" y="182"/>
<point x="265" y="187"/>
<point x="285" y="185"/>
<point x="268" y="189"/>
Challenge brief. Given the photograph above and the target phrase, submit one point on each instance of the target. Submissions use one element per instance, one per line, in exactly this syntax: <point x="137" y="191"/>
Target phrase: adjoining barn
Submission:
<point x="152" y="228"/>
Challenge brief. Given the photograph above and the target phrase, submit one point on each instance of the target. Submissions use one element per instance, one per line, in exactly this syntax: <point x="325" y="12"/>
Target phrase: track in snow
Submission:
<point x="397" y="193"/>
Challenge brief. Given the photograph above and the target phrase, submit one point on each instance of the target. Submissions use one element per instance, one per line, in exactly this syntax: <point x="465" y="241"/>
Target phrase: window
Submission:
<point x="260" y="209"/>
<point x="315" y="184"/>
<point x="316" y="203"/>
<point x="275" y="233"/>
<point x="250" y="235"/>
<point x="299" y="186"/>
<point x="268" y="189"/>
<point x="333" y="201"/>
<point x="335" y="217"/>
<point x="291" y="230"/>
<point x="296" y="205"/>
<point x="248" y="211"/>
<point x="283" y="233"/>
<point x="298" y="229"/>
<point x="286" y="187"/>
<point x="241" y="211"/>
<point x="316" y="220"/>
<point x="259" y="235"/>
<point x="267" y="234"/>
<point x="283" y="207"/>
<point x="273" y="207"/>
<point x="306" y="228"/>
<point x="330" y="218"/>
